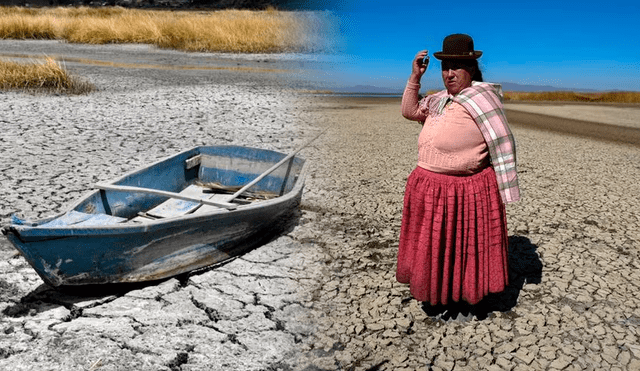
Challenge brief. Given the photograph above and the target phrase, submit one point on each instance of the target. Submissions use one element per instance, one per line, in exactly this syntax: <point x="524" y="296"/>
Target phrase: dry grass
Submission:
<point x="568" y="96"/>
<point x="45" y="76"/>
<point x="212" y="31"/>
<point x="239" y="31"/>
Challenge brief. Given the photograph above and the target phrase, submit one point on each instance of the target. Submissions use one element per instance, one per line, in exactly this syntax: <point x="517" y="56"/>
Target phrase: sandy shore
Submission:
<point x="323" y="296"/>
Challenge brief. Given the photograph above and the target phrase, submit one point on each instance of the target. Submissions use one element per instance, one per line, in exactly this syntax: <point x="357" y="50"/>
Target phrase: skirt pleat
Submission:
<point x="453" y="239"/>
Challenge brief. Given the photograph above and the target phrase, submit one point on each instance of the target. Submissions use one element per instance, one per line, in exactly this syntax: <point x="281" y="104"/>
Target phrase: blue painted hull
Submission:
<point x="99" y="240"/>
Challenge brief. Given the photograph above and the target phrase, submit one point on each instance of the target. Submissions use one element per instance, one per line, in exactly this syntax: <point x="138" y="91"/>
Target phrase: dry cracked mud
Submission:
<point x="321" y="296"/>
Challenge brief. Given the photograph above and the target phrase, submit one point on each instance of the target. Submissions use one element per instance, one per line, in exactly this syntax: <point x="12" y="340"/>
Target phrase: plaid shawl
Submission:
<point x="484" y="103"/>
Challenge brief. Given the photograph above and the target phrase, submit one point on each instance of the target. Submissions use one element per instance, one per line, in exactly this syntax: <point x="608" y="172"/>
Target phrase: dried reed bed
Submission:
<point x="239" y="31"/>
<point x="44" y="76"/>
<point x="568" y="96"/>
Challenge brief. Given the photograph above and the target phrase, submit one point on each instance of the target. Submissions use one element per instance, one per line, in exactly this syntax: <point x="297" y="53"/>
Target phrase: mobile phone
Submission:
<point x="425" y="61"/>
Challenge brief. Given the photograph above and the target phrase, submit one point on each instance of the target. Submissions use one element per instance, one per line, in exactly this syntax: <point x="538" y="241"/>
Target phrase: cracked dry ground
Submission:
<point x="323" y="296"/>
<point x="248" y="314"/>
<point x="240" y="316"/>
<point x="574" y="246"/>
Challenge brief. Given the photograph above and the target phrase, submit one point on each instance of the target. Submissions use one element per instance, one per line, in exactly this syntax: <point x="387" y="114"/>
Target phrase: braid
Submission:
<point x="477" y="76"/>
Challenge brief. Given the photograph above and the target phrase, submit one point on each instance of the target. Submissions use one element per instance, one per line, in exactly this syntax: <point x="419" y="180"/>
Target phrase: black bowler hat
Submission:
<point x="458" y="46"/>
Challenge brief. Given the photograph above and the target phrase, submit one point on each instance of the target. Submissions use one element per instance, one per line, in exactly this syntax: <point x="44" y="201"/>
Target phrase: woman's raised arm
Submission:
<point x="410" y="99"/>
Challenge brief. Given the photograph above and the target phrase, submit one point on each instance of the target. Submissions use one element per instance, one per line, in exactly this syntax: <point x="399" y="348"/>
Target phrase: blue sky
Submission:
<point x="565" y="44"/>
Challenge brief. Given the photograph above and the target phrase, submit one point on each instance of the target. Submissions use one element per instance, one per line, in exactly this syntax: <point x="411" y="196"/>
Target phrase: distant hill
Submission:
<point x="510" y="86"/>
<point x="506" y="86"/>
<point x="367" y="89"/>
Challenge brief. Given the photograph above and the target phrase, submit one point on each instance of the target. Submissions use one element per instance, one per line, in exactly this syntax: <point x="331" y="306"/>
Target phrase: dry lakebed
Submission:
<point x="323" y="295"/>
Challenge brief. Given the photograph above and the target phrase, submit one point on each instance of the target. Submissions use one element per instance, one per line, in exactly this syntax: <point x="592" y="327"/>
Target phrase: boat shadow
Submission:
<point x="45" y="297"/>
<point x="524" y="267"/>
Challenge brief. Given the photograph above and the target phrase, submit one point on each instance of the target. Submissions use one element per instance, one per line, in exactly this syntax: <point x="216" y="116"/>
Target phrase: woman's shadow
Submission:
<point x="524" y="267"/>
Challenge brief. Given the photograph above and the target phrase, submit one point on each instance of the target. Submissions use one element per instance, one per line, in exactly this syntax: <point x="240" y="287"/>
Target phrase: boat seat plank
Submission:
<point x="76" y="218"/>
<point x="141" y="220"/>
<point x="192" y="162"/>
<point x="174" y="207"/>
<point x="216" y="197"/>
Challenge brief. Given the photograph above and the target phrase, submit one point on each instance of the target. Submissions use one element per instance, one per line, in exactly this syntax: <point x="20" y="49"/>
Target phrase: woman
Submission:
<point x="453" y="240"/>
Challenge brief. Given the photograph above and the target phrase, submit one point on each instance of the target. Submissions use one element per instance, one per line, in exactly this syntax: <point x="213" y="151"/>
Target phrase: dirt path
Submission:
<point x="580" y="125"/>
<point x="627" y="115"/>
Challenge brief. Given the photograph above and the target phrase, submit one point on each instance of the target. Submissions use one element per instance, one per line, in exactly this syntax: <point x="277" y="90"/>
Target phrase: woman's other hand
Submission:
<point x="419" y="66"/>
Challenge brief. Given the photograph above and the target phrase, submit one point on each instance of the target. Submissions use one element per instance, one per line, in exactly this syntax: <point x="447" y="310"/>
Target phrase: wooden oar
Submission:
<point x="271" y="169"/>
<point x="112" y="187"/>
<point x="226" y="204"/>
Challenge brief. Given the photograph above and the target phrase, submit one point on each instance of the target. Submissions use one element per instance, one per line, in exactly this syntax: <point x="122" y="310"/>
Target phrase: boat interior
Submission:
<point x="199" y="181"/>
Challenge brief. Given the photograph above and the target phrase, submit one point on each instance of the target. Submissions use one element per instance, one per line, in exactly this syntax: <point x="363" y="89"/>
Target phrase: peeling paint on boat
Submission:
<point x="104" y="246"/>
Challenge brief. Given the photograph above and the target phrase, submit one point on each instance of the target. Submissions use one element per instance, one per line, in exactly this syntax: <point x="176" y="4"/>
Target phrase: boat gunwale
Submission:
<point x="22" y="230"/>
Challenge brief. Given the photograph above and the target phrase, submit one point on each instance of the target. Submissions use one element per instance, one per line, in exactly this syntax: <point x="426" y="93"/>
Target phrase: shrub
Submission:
<point x="46" y="76"/>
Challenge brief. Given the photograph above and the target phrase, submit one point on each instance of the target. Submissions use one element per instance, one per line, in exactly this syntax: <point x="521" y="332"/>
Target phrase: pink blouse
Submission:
<point x="449" y="143"/>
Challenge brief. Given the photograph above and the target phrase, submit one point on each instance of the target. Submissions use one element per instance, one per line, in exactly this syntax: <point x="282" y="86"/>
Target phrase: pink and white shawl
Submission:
<point x="484" y="103"/>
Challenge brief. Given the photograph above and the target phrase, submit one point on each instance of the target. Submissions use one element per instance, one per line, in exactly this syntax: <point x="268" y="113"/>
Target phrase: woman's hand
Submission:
<point x="410" y="99"/>
<point x="419" y="66"/>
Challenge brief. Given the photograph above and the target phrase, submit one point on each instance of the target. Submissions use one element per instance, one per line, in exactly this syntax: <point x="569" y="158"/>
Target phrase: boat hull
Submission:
<point x="126" y="252"/>
<point x="161" y="252"/>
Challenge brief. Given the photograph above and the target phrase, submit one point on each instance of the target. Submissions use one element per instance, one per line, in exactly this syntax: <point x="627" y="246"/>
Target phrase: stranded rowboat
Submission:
<point x="171" y="217"/>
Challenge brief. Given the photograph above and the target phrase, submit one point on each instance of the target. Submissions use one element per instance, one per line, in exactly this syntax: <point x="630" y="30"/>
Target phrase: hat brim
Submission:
<point x="440" y="55"/>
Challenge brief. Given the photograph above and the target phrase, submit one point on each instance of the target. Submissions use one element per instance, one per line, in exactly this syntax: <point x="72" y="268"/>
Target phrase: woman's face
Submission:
<point x="456" y="76"/>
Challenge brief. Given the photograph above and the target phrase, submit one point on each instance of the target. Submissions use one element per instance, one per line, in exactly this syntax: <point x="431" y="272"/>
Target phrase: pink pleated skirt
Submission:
<point x="453" y="240"/>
